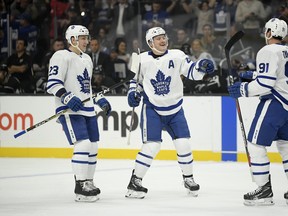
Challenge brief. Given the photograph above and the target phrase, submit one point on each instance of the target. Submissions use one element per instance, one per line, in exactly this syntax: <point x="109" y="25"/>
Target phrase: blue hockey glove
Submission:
<point x="238" y="90"/>
<point x="72" y="101"/>
<point x="104" y="104"/>
<point x="248" y="75"/>
<point x="134" y="98"/>
<point x="205" y="66"/>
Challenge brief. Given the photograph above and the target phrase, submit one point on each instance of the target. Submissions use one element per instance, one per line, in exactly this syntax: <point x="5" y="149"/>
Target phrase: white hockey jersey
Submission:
<point x="272" y="73"/>
<point x="161" y="82"/>
<point x="73" y="72"/>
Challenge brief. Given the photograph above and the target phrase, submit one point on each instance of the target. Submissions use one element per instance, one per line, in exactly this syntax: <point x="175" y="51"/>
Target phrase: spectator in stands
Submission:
<point x="2" y="7"/>
<point x="41" y="69"/>
<point x="119" y="68"/>
<point x="186" y="48"/>
<point x="283" y="10"/>
<point x="57" y="44"/>
<point x="19" y="66"/>
<point x="198" y="52"/>
<point x="72" y="17"/>
<point x="267" y="4"/>
<point x="103" y="19"/>
<point x="100" y="59"/>
<point x="209" y="84"/>
<point x="29" y="33"/>
<point x="122" y="15"/>
<point x="205" y="14"/>
<point x="104" y="40"/>
<point x="222" y="11"/>
<point x="88" y="11"/>
<point x="181" y="38"/>
<point x="179" y="10"/>
<point x="58" y="9"/>
<point x="251" y="14"/>
<point x="135" y="45"/>
<point x="121" y="49"/>
<point x="22" y="17"/>
<point x="8" y="84"/>
<point x="247" y="52"/>
<point x="3" y="45"/>
<point x="24" y="6"/>
<point x="211" y="43"/>
<point x="100" y="81"/>
<point x="43" y="28"/>
<point x="156" y="17"/>
<point x="3" y="32"/>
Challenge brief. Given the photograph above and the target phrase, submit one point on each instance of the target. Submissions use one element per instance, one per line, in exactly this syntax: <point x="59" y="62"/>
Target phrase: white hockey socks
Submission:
<point x="80" y="159"/>
<point x="282" y="146"/>
<point x="184" y="155"/>
<point x="92" y="160"/>
<point x="145" y="158"/>
<point x="260" y="163"/>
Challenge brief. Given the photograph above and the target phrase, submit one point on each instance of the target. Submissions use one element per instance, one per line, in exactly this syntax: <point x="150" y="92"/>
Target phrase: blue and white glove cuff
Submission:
<point x="98" y="97"/>
<point x="195" y="73"/>
<point x="197" y="67"/>
<point x="67" y="97"/>
<point x="244" y="89"/>
<point x="254" y="75"/>
<point x="131" y="89"/>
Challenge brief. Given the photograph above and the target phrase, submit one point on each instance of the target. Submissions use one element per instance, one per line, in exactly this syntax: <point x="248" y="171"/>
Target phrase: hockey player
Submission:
<point x="270" y="122"/>
<point x="161" y="86"/>
<point x="70" y="72"/>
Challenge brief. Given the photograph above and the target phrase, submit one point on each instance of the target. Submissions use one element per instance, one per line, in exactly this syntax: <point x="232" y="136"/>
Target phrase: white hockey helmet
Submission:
<point x="75" y="31"/>
<point x="153" y="32"/>
<point x="278" y="28"/>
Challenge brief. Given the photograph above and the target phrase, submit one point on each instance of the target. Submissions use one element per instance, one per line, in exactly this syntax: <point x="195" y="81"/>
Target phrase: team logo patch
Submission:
<point x="161" y="84"/>
<point x="84" y="82"/>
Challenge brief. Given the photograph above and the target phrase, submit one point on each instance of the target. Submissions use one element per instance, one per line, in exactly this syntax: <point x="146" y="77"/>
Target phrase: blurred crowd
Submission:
<point x="32" y="30"/>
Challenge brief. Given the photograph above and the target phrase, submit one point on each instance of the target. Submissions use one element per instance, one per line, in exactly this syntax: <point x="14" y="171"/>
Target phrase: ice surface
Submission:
<point x="40" y="187"/>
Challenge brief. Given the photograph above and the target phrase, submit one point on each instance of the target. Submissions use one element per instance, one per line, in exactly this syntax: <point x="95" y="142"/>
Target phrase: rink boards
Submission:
<point x="213" y="122"/>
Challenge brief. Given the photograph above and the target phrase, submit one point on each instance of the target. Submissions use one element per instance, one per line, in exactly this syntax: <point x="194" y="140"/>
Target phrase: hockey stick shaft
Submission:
<point x="233" y="40"/>
<point x="64" y="111"/>
<point x="133" y="109"/>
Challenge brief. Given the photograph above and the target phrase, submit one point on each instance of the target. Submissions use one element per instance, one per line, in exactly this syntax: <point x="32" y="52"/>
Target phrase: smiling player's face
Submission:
<point x="160" y="43"/>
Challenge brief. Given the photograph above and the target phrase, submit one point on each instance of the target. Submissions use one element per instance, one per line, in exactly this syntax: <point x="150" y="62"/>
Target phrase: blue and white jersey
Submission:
<point x="72" y="72"/>
<point x="160" y="79"/>
<point x="272" y="73"/>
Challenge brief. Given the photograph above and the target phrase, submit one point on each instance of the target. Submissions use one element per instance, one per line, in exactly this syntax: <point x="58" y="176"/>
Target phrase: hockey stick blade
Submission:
<point x="233" y="40"/>
<point x="136" y="65"/>
<point x="130" y="76"/>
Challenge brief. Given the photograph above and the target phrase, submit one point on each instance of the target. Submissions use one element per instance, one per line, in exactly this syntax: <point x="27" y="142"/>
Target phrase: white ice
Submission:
<point x="40" y="187"/>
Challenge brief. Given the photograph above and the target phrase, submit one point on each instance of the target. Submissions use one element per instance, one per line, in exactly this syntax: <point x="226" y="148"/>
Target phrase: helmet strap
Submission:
<point x="267" y="38"/>
<point x="154" y="49"/>
<point x="76" y="46"/>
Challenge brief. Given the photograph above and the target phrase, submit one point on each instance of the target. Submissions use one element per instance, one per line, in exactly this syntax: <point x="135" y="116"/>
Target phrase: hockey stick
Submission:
<point x="129" y="77"/>
<point x="137" y="64"/>
<point x="233" y="40"/>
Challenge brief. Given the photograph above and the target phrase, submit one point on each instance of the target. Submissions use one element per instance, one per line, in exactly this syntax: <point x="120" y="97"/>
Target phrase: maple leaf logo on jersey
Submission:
<point x="161" y="84"/>
<point x="84" y="82"/>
